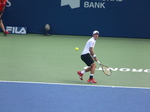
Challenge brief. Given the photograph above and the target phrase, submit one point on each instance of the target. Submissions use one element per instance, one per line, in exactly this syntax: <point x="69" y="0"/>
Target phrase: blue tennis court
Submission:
<point x="42" y="97"/>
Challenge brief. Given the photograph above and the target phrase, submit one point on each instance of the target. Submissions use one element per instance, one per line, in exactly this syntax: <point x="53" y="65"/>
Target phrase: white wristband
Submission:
<point x="98" y="62"/>
<point x="94" y="55"/>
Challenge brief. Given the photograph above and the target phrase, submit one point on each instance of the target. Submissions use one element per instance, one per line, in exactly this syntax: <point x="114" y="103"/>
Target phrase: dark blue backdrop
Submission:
<point x="129" y="18"/>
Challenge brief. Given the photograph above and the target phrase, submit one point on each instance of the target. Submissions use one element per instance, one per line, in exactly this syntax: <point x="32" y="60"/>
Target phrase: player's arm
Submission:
<point x="92" y="53"/>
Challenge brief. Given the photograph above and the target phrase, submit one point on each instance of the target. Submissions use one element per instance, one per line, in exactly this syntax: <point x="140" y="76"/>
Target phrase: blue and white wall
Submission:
<point x="115" y="18"/>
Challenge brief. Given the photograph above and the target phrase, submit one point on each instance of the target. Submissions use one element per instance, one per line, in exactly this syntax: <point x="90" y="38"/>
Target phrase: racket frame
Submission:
<point x="103" y="68"/>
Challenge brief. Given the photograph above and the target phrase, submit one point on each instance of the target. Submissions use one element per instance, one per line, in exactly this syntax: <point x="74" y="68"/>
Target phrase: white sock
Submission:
<point x="91" y="74"/>
<point x="83" y="71"/>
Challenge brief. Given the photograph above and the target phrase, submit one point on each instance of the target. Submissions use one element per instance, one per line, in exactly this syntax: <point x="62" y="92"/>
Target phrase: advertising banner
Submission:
<point x="113" y="18"/>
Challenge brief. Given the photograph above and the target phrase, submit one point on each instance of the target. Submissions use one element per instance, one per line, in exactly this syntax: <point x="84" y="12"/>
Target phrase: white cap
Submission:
<point x="95" y="32"/>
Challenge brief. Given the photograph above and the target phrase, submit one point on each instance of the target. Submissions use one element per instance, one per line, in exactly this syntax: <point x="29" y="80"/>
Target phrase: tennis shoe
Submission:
<point x="80" y="75"/>
<point x="6" y="32"/>
<point x="91" y="81"/>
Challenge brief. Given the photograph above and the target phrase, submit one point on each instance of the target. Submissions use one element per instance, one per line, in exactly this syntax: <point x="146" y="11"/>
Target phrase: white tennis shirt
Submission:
<point x="90" y="43"/>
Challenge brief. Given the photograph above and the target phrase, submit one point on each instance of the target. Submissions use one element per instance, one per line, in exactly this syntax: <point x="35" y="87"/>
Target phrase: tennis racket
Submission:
<point x="105" y="69"/>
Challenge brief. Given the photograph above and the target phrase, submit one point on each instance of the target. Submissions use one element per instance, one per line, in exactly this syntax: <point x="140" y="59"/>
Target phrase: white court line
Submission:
<point x="65" y="84"/>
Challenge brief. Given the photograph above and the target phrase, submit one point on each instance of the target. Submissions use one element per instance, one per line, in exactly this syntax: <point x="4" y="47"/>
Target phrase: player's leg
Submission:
<point x="81" y="73"/>
<point x="90" y="61"/>
<point x="93" y="67"/>
<point x="86" y="70"/>
<point x="86" y="58"/>
<point x="2" y="27"/>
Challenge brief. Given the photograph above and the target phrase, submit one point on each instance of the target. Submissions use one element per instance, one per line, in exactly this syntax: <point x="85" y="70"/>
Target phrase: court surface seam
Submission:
<point x="65" y="84"/>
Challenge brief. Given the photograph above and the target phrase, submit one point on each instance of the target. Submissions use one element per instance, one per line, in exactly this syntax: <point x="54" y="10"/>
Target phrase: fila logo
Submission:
<point x="72" y="3"/>
<point x="16" y="30"/>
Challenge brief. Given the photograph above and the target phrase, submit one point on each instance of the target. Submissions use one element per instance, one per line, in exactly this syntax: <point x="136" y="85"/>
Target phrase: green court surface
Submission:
<point x="52" y="59"/>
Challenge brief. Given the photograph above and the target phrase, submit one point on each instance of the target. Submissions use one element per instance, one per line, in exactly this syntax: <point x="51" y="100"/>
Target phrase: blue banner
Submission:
<point x="114" y="18"/>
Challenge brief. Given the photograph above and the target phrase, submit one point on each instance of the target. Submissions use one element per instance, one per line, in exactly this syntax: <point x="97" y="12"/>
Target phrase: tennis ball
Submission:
<point x="76" y="48"/>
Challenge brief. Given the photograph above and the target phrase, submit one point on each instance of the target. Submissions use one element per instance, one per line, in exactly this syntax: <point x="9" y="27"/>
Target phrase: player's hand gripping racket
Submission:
<point x="105" y="69"/>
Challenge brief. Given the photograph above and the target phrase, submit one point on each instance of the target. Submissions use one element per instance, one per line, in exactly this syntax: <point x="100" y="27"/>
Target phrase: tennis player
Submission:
<point x="88" y="57"/>
<point x="2" y="8"/>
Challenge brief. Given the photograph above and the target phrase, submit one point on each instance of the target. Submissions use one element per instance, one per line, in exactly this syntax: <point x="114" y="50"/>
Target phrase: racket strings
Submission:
<point x="106" y="70"/>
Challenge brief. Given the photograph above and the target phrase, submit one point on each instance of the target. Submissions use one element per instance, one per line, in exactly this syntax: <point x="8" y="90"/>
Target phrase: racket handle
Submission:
<point x="98" y="62"/>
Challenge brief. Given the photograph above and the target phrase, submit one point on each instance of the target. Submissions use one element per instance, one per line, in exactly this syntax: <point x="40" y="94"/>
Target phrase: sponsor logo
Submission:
<point x="8" y="3"/>
<point x="134" y="70"/>
<point x="16" y="30"/>
<point x="72" y="3"/>
<point x="101" y="4"/>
